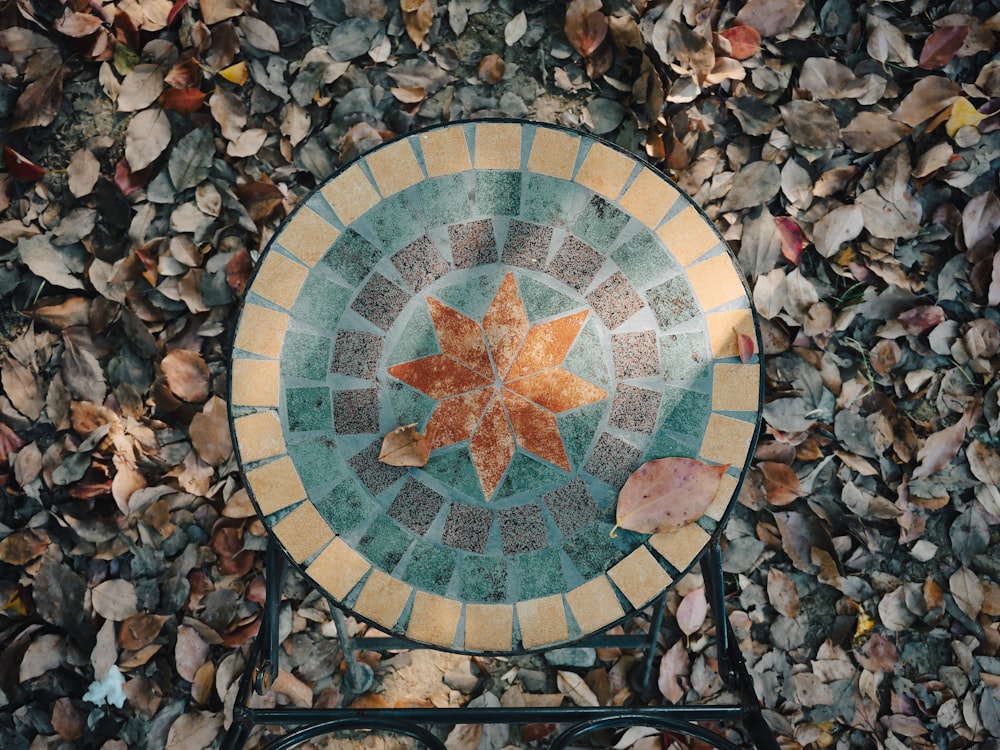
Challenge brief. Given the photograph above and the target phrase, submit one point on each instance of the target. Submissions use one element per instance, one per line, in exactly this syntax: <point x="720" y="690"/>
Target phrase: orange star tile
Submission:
<point x="499" y="385"/>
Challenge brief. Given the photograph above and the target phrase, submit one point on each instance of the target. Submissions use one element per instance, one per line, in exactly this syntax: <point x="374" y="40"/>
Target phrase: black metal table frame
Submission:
<point x="262" y="670"/>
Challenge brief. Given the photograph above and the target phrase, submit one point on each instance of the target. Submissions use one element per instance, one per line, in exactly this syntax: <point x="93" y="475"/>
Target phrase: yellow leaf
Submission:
<point x="864" y="626"/>
<point x="962" y="114"/>
<point x="237" y="73"/>
<point x="404" y="446"/>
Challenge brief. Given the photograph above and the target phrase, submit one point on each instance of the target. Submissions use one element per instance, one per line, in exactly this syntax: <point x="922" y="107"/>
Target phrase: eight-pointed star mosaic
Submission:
<point x="500" y="383"/>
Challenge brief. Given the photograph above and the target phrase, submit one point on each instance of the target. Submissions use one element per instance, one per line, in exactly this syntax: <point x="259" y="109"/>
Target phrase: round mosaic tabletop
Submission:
<point x="550" y="313"/>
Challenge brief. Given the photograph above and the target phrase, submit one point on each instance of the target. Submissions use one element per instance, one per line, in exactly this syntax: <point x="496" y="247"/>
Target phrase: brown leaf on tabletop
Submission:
<point x="404" y="446"/>
<point x="586" y="26"/>
<point x="666" y="494"/>
<point x="187" y="375"/>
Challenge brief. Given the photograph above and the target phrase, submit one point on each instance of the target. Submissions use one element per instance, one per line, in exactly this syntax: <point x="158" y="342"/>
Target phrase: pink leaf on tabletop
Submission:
<point x="746" y="347"/>
<point x="666" y="494"/>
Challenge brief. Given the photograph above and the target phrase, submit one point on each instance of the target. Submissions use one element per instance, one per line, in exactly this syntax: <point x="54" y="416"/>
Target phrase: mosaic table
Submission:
<point x="551" y="313"/>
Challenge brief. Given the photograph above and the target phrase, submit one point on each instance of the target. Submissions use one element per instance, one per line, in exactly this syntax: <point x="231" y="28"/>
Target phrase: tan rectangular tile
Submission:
<point x="727" y="440"/>
<point x="498" y="145"/>
<point x="595" y="605"/>
<point x="722" y="498"/>
<point x="648" y="198"/>
<point x="724" y="328"/>
<point x="382" y="599"/>
<point x="640" y="577"/>
<point x="303" y="532"/>
<point x="350" y="194"/>
<point x="434" y="619"/>
<point x="276" y="485"/>
<point x="262" y="331"/>
<point x="308" y="236"/>
<point x="446" y="151"/>
<point x="279" y="279"/>
<point x="605" y="171"/>
<point x="489" y="627"/>
<point x="553" y="152"/>
<point x="736" y="387"/>
<point x="394" y="167"/>
<point x="680" y="547"/>
<point x="338" y="568"/>
<point x="715" y="282"/>
<point x="542" y="621"/>
<point x="255" y="382"/>
<point x="259" y="435"/>
<point x="688" y="235"/>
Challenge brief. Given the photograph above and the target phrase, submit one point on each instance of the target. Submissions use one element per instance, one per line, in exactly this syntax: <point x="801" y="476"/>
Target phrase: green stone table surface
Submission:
<point x="552" y="313"/>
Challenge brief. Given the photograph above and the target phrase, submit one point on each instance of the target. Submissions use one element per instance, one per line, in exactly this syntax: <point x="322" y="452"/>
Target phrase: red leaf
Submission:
<point x="238" y="270"/>
<point x="792" y="243"/>
<point x="21" y="168"/>
<point x="128" y="181"/>
<point x="175" y="11"/>
<point x="586" y="26"/>
<point x="922" y="318"/>
<point x="666" y="494"/>
<point x="185" y="101"/>
<point x="744" y="41"/>
<point x="746" y="347"/>
<point x="942" y="45"/>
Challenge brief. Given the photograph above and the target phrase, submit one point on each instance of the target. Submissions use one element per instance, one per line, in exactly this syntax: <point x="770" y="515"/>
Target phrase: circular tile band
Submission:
<point x="552" y="313"/>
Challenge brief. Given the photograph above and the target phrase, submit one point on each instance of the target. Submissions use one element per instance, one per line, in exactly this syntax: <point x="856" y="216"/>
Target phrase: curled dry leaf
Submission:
<point x="666" y="494"/>
<point x="404" y="446"/>
<point x="576" y="689"/>
<point x="187" y="375"/>
<point x="586" y="26"/>
<point x="780" y="483"/>
<point x="491" y="68"/>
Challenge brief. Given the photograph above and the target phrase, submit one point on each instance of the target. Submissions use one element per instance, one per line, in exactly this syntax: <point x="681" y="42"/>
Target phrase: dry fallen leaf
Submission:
<point x="666" y="494"/>
<point x="404" y="446"/>
<point x="586" y="26"/>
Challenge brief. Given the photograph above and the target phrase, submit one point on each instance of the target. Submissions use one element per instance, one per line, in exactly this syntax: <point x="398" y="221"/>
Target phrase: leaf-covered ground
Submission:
<point x="848" y="152"/>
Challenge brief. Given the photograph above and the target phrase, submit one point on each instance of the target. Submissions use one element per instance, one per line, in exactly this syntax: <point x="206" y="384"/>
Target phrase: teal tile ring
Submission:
<point x="550" y="312"/>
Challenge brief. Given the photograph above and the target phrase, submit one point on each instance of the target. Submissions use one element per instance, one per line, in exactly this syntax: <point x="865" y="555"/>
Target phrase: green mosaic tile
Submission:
<point x="347" y="508"/>
<point x="665" y="445"/>
<point x="483" y="579"/>
<point x="417" y="339"/>
<point x="318" y="462"/>
<point x="673" y="302"/>
<point x="472" y="297"/>
<point x="321" y="302"/>
<point x="352" y="257"/>
<point x="600" y="223"/>
<point x="455" y="469"/>
<point x="586" y="359"/>
<point x="542" y="301"/>
<point x="539" y="573"/>
<point x="685" y="411"/>
<point x="444" y="200"/>
<point x="409" y="405"/>
<point x="548" y="201"/>
<point x="578" y="429"/>
<point x="384" y="543"/>
<point x="643" y="259"/>
<point x="305" y="356"/>
<point x="308" y="409"/>
<point x="685" y="356"/>
<point x="430" y="567"/>
<point x="526" y="474"/>
<point x="395" y="221"/>
<point x="498" y="193"/>
<point x="592" y="549"/>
